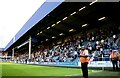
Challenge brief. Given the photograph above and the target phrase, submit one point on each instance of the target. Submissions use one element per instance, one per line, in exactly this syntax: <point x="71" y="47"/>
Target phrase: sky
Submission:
<point x="13" y="15"/>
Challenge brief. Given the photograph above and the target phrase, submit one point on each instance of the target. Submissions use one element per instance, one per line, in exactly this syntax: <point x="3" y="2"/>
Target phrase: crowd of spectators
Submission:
<point x="99" y="41"/>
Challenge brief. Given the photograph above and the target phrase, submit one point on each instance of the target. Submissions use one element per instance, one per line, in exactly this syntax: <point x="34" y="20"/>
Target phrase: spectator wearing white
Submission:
<point x="90" y="49"/>
<point x="93" y="39"/>
<point x="97" y="42"/>
<point x="114" y="37"/>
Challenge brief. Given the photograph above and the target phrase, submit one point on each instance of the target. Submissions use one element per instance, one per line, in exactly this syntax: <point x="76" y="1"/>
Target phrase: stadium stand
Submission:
<point x="99" y="43"/>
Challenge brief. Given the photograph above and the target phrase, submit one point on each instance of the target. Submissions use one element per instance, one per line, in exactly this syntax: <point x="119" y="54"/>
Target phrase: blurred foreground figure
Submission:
<point x="84" y="61"/>
<point x="119" y="56"/>
<point x="114" y="59"/>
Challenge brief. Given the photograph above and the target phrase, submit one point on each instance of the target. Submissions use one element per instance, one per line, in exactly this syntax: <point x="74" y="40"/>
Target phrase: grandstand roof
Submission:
<point x="57" y="20"/>
<point x="45" y="9"/>
<point x="1" y="49"/>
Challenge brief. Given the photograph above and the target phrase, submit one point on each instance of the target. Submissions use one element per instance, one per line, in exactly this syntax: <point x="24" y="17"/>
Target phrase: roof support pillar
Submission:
<point x="13" y="50"/>
<point x="29" y="47"/>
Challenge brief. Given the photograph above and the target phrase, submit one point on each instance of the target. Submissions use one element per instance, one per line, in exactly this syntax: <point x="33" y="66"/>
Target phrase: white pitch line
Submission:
<point x="96" y="71"/>
<point x="73" y="75"/>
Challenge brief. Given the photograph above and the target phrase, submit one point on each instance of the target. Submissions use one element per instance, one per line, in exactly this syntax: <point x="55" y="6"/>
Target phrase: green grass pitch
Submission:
<point x="11" y="69"/>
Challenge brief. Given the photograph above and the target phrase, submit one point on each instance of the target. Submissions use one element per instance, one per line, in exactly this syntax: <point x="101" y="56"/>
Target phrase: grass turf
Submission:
<point x="11" y="69"/>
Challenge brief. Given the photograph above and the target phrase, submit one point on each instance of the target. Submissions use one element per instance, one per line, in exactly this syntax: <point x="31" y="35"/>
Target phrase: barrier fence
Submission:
<point x="73" y="64"/>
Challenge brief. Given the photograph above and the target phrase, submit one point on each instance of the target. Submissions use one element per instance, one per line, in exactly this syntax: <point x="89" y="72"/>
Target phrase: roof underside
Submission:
<point x="60" y="21"/>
